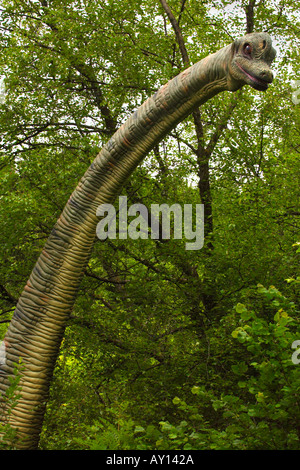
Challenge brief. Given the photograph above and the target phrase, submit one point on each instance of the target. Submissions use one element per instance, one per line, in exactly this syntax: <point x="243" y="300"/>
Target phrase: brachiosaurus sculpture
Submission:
<point x="40" y="317"/>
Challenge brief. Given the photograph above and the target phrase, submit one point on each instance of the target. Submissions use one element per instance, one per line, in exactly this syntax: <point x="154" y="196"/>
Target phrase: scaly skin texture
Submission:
<point x="39" y="321"/>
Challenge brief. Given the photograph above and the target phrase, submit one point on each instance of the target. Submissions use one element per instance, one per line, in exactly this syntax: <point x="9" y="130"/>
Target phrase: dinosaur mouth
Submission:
<point x="257" y="83"/>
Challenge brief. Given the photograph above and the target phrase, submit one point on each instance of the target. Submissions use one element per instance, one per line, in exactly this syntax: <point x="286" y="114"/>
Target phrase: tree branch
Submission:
<point x="250" y="16"/>
<point x="103" y="279"/>
<point x="177" y="31"/>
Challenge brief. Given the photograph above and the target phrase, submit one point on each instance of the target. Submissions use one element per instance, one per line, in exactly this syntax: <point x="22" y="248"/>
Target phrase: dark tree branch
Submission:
<point x="5" y="295"/>
<point x="250" y="16"/>
<point x="177" y="31"/>
<point x="103" y="279"/>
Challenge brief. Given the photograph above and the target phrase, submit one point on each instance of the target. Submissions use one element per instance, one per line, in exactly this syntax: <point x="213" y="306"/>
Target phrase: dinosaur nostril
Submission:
<point x="266" y="75"/>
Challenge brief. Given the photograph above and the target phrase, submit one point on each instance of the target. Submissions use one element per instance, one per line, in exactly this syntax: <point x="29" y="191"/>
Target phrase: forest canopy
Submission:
<point x="165" y="348"/>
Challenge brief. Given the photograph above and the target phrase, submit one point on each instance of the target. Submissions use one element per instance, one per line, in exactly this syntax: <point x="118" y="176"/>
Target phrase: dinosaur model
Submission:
<point x="37" y="326"/>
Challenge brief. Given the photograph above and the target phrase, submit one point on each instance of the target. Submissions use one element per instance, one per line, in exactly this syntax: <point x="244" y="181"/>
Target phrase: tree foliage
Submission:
<point x="165" y="348"/>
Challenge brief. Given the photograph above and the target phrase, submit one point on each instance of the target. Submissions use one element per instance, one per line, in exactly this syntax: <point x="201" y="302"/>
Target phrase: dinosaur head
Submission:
<point x="252" y="56"/>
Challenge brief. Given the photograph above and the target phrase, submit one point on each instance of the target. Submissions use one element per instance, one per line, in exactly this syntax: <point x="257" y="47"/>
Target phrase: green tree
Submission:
<point x="146" y="325"/>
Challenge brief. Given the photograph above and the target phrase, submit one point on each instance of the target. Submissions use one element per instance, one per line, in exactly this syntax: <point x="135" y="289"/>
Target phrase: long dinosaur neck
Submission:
<point x="38" y="324"/>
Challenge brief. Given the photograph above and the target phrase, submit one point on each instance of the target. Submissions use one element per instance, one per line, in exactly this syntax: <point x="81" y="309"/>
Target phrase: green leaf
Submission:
<point x="240" y="308"/>
<point x="176" y="401"/>
<point x="240" y="368"/>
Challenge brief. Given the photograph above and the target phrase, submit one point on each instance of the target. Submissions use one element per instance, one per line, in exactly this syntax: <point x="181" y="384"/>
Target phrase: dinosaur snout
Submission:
<point x="266" y="75"/>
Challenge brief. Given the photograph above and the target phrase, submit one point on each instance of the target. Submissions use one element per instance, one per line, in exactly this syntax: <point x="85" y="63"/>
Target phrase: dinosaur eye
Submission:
<point x="247" y="49"/>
